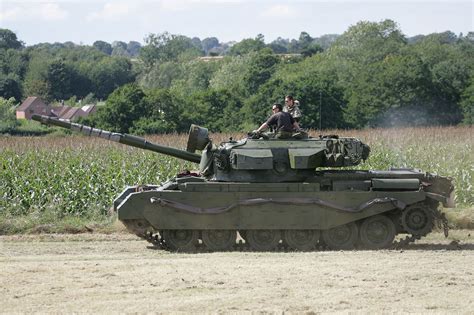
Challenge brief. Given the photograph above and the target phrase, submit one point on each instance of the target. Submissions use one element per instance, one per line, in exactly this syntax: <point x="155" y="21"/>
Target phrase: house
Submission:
<point x="32" y="105"/>
<point x="73" y="113"/>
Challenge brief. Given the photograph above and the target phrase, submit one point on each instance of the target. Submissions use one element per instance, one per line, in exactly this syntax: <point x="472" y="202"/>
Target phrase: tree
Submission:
<point x="467" y="103"/>
<point x="230" y="75"/>
<point x="161" y="75"/>
<point x="166" y="47"/>
<point x="10" y="88"/>
<point x="123" y="108"/>
<point x="8" y="40"/>
<point x="36" y="82"/>
<point x="59" y="80"/>
<point x="196" y="75"/>
<point x="163" y="114"/>
<point x="368" y="42"/>
<point x="261" y="67"/>
<point x="133" y="48"/>
<point x="8" y="121"/>
<point x="119" y="49"/>
<point x="359" y="57"/>
<point x="279" y="45"/>
<point x="102" y="46"/>
<point x="214" y="109"/>
<point x="209" y="43"/>
<point x="247" y="45"/>
<point x="109" y="74"/>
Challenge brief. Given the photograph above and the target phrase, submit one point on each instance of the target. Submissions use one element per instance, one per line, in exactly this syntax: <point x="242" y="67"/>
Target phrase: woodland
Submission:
<point x="372" y="75"/>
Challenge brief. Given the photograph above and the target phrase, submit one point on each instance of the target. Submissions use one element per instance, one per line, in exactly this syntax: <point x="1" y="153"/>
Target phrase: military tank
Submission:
<point x="267" y="194"/>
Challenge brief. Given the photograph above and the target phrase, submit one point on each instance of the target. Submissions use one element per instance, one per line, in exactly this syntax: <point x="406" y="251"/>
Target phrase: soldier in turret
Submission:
<point x="284" y="124"/>
<point x="292" y="107"/>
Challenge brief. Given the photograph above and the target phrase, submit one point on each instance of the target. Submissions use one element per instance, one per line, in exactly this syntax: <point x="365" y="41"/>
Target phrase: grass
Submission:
<point x="67" y="183"/>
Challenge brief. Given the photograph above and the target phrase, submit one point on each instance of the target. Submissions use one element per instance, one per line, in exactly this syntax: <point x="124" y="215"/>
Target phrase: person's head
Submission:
<point x="277" y="108"/>
<point x="289" y="100"/>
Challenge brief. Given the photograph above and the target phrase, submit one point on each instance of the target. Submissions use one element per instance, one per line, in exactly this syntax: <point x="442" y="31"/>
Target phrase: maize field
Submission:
<point x="55" y="177"/>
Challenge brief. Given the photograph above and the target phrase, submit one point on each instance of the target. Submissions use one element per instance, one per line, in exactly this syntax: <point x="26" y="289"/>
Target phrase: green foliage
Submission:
<point x="372" y="75"/>
<point x="167" y="47"/>
<point x="163" y="113"/>
<point x="261" y="67"/>
<point x="467" y="103"/>
<point x="10" y="87"/>
<point x="123" y="107"/>
<point x="8" y="120"/>
<point x="102" y="46"/>
<point x="109" y="74"/>
<point x="8" y="40"/>
<point x="161" y="75"/>
<point x="230" y="76"/>
<point x="248" y="45"/>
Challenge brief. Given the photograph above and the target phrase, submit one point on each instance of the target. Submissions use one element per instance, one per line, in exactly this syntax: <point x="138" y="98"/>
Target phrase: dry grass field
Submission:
<point x="117" y="273"/>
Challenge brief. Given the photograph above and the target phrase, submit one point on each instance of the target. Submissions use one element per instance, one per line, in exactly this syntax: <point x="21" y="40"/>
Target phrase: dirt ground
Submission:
<point x="119" y="273"/>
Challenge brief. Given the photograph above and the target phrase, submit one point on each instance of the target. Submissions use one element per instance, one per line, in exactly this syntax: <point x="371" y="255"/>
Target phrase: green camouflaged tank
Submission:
<point x="269" y="194"/>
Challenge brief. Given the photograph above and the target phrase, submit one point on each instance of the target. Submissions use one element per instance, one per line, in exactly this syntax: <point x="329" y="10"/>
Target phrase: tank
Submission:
<point x="270" y="194"/>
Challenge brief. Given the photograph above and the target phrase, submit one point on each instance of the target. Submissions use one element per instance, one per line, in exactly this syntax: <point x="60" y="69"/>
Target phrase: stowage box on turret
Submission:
<point x="266" y="194"/>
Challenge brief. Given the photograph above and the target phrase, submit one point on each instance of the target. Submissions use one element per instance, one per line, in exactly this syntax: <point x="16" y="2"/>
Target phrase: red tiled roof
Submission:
<point x="28" y="102"/>
<point x="70" y="113"/>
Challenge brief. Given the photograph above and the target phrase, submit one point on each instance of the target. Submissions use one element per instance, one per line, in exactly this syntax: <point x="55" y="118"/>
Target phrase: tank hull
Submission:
<point x="327" y="202"/>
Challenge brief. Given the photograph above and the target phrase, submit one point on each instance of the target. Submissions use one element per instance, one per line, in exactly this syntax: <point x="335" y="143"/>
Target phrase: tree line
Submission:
<point x="371" y="75"/>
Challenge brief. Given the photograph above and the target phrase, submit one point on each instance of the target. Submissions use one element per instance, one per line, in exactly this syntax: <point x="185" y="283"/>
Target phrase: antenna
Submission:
<point x="320" y="106"/>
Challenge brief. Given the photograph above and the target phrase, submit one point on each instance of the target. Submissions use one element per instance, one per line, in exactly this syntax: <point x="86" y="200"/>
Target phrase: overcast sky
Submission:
<point x="85" y="21"/>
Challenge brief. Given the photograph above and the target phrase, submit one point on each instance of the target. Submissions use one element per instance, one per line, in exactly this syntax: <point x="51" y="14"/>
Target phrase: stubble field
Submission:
<point x="119" y="273"/>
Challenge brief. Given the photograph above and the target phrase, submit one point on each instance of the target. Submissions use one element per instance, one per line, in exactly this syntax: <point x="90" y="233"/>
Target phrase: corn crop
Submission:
<point x="79" y="176"/>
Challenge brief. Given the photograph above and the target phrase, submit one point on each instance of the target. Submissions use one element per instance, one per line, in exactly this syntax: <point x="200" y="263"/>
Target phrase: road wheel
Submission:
<point x="341" y="237"/>
<point x="263" y="240"/>
<point x="377" y="232"/>
<point x="181" y="240"/>
<point x="302" y="240"/>
<point x="219" y="240"/>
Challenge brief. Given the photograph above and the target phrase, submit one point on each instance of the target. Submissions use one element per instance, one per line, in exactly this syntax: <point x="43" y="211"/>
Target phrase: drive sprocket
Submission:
<point x="417" y="219"/>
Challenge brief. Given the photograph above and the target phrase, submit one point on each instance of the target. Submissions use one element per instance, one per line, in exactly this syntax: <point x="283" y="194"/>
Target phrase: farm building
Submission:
<point x="34" y="105"/>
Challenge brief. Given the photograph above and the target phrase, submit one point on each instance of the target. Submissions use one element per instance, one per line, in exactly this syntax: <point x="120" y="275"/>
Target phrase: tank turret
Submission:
<point x="246" y="160"/>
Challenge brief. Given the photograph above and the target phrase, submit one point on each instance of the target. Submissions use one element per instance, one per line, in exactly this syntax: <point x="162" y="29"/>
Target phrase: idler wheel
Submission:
<point x="377" y="232"/>
<point x="417" y="220"/>
<point x="219" y="240"/>
<point x="341" y="237"/>
<point x="263" y="240"/>
<point x="302" y="240"/>
<point x="181" y="240"/>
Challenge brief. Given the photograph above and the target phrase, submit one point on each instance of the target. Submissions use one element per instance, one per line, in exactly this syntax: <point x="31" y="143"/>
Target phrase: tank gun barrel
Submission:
<point x="126" y="139"/>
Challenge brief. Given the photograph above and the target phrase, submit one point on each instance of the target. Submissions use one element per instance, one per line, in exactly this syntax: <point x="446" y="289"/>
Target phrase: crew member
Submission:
<point x="284" y="125"/>
<point x="292" y="107"/>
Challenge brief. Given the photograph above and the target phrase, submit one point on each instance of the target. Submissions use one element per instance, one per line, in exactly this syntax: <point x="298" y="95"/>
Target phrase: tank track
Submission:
<point x="441" y="221"/>
<point x="438" y="217"/>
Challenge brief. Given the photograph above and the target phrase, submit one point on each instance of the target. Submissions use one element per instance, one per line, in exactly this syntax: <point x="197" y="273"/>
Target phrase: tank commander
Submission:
<point x="284" y="124"/>
<point x="292" y="107"/>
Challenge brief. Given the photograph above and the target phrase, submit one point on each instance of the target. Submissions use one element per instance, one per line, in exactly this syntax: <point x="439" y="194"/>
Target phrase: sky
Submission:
<point x="85" y="21"/>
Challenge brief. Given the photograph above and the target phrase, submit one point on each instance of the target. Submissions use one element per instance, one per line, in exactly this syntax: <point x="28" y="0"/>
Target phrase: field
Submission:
<point x="67" y="183"/>
<point x="115" y="273"/>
